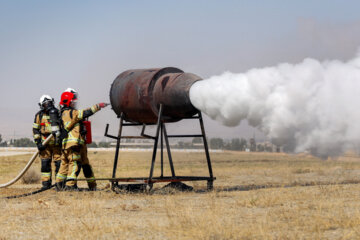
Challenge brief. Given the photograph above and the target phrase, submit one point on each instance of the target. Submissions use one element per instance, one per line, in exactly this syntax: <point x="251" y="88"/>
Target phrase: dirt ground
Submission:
<point x="255" y="196"/>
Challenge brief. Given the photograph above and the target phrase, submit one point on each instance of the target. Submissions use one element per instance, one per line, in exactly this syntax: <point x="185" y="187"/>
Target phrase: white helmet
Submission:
<point x="70" y="90"/>
<point x="73" y="91"/>
<point x="45" y="100"/>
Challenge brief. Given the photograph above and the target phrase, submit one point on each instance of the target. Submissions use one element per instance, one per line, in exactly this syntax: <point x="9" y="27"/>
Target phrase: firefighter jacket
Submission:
<point x="72" y="123"/>
<point x="42" y="127"/>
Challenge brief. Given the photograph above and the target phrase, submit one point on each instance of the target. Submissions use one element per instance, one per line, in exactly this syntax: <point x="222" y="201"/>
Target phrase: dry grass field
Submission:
<point x="256" y="196"/>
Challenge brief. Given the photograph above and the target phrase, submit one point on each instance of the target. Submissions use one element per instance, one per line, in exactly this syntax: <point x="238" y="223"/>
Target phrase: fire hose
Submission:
<point x="29" y="194"/>
<point x="33" y="158"/>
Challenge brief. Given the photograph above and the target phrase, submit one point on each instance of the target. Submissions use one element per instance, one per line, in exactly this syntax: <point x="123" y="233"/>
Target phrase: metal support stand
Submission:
<point x="162" y="149"/>
<point x="162" y="133"/>
<point x="169" y="152"/>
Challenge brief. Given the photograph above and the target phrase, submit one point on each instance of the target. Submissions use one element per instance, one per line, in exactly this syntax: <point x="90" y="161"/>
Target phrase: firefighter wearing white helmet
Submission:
<point x="47" y="122"/>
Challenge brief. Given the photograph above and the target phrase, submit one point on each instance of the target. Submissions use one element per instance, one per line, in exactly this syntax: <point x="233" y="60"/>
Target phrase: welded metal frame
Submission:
<point x="162" y="133"/>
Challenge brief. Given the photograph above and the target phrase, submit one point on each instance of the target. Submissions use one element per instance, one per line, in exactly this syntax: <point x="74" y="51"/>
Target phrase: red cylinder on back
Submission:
<point x="88" y="138"/>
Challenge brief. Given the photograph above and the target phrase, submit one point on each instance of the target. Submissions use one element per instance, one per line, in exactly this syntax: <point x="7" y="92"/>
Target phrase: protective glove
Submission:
<point x="41" y="147"/>
<point x="103" y="105"/>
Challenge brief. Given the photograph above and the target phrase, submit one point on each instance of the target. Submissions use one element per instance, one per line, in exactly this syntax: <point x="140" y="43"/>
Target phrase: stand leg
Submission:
<point x="117" y="149"/>
<point x="169" y="152"/>
<point x="210" y="185"/>
<point x="205" y="145"/>
<point x="162" y="149"/>
<point x="155" y="144"/>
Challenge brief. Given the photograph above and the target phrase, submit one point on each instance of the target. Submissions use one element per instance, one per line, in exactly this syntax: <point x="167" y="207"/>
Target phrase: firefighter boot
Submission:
<point x="46" y="173"/>
<point x="89" y="175"/>
<point x="73" y="188"/>
<point x="59" y="186"/>
<point x="92" y="186"/>
<point x="46" y="185"/>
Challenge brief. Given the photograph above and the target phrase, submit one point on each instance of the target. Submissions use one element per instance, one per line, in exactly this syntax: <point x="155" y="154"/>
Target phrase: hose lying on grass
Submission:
<point x="32" y="159"/>
<point x="45" y="189"/>
<point x="30" y="193"/>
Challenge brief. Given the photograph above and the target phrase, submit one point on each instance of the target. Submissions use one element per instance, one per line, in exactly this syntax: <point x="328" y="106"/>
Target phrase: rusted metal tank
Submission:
<point x="138" y="94"/>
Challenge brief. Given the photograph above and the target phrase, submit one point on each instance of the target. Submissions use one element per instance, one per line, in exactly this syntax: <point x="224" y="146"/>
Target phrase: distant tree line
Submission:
<point x="27" y="142"/>
<point x="21" y="142"/>
<point x="235" y="144"/>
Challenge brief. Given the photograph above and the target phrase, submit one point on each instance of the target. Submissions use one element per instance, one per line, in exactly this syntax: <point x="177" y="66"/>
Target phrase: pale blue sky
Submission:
<point x="47" y="46"/>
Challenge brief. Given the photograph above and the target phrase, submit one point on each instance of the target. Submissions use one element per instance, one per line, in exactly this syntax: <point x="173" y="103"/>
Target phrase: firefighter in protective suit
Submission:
<point x="73" y="140"/>
<point x="85" y="163"/>
<point x="47" y="122"/>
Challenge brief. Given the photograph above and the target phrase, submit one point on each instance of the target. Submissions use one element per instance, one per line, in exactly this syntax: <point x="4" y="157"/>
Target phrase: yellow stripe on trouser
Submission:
<point x="61" y="176"/>
<point x="69" y="166"/>
<point x="72" y="176"/>
<point x="74" y="170"/>
<point x="45" y="176"/>
<point x="76" y="157"/>
<point x="90" y="180"/>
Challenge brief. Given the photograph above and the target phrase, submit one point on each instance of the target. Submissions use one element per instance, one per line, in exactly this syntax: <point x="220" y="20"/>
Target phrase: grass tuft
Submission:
<point x="31" y="177"/>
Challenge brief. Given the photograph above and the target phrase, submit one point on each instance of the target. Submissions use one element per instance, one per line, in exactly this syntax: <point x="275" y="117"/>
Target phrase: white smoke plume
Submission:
<point x="310" y="106"/>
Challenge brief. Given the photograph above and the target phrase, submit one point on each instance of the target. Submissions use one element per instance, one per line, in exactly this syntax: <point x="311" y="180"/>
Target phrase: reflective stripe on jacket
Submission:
<point x="71" y="120"/>
<point x="42" y="127"/>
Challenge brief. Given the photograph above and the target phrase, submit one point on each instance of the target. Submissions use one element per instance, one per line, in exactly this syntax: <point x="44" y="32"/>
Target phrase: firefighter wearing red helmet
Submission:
<point x="85" y="162"/>
<point x="47" y="122"/>
<point x="72" y="139"/>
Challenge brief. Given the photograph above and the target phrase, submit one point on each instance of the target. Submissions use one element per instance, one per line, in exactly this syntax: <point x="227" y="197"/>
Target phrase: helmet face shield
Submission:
<point x="46" y="102"/>
<point x="48" y="105"/>
<point x="73" y="104"/>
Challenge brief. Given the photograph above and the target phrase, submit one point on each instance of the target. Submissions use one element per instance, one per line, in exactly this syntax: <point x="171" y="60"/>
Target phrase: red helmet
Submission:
<point x="67" y="98"/>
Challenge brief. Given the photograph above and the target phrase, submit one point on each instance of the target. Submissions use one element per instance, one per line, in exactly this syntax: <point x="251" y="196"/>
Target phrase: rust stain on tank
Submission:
<point x="139" y="92"/>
